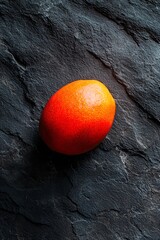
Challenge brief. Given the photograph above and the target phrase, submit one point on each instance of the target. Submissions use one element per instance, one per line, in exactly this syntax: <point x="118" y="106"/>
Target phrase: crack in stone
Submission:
<point x="24" y="216"/>
<point x="140" y="230"/>
<point x="77" y="210"/>
<point x="17" y="64"/>
<point x="19" y="212"/>
<point x="16" y="136"/>
<point x="127" y="25"/>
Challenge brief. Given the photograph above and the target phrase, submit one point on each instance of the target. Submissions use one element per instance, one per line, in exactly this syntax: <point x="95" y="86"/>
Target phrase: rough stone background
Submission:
<point x="112" y="192"/>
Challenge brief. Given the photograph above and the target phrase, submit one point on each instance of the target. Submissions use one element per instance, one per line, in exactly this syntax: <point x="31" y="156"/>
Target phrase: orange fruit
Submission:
<point x="77" y="117"/>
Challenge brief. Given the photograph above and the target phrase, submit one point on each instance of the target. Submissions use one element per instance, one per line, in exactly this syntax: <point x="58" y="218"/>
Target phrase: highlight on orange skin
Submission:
<point x="77" y="117"/>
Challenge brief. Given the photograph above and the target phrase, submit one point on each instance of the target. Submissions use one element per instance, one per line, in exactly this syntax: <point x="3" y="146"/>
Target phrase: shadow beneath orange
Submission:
<point x="46" y="164"/>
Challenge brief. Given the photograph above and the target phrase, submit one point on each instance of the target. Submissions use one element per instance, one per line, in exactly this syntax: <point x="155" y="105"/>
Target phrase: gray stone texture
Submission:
<point x="112" y="192"/>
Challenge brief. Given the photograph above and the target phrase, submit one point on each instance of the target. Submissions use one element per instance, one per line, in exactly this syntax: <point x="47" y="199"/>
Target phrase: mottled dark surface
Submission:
<point x="113" y="192"/>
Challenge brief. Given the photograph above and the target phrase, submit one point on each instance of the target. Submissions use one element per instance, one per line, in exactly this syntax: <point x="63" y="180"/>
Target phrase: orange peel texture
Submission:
<point x="77" y="117"/>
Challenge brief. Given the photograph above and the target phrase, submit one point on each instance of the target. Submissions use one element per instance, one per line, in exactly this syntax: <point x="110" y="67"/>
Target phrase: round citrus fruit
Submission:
<point x="77" y="117"/>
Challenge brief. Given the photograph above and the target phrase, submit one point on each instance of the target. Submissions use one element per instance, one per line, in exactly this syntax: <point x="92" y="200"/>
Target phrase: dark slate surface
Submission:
<point x="113" y="192"/>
